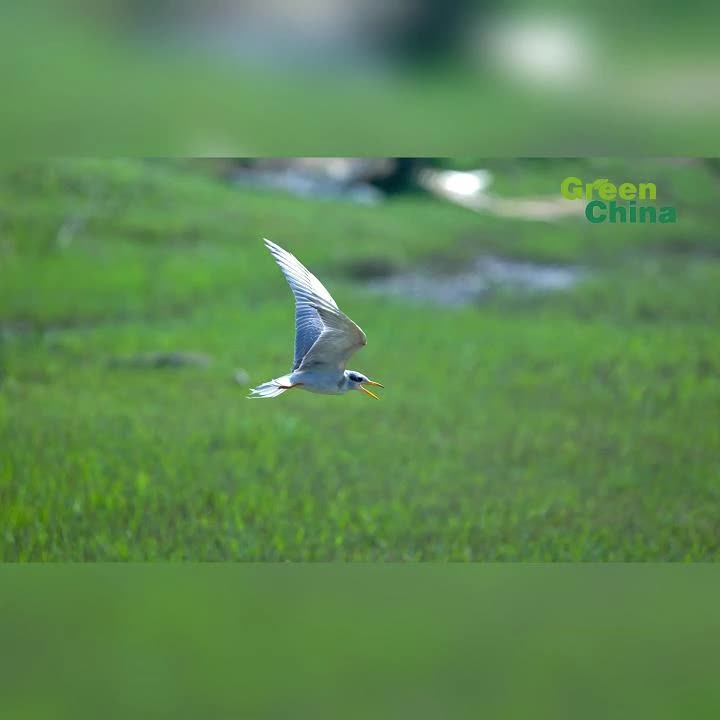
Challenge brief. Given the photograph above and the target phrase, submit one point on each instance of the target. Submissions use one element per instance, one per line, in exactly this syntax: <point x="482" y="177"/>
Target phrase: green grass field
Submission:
<point x="583" y="425"/>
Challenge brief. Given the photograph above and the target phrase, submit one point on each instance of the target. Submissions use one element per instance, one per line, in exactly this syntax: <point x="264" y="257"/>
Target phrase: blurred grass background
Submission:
<point x="587" y="425"/>
<point x="402" y="77"/>
<point x="578" y="425"/>
<point x="359" y="641"/>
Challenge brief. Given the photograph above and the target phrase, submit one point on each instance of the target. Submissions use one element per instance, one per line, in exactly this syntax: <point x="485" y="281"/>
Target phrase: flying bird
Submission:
<point x="325" y="338"/>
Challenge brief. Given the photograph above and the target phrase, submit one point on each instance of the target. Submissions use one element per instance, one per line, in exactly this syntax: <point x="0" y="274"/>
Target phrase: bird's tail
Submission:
<point x="270" y="389"/>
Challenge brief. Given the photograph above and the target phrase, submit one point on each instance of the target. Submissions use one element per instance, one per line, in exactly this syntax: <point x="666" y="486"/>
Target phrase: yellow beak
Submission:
<point x="376" y="384"/>
<point x="367" y="392"/>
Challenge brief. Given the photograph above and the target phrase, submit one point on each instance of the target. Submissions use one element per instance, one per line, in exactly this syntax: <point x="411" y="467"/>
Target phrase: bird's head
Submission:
<point x="356" y="381"/>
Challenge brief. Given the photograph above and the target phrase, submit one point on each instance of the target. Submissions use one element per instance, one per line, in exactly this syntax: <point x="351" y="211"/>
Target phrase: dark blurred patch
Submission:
<point x="362" y="180"/>
<point x="689" y="246"/>
<point x="714" y="165"/>
<point x="403" y="175"/>
<point x="162" y="360"/>
<point x="370" y="268"/>
<point x="353" y="179"/>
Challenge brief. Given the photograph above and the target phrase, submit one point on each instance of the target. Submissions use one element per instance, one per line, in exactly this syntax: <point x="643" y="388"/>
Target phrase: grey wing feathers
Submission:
<point x="323" y="334"/>
<point x="340" y="338"/>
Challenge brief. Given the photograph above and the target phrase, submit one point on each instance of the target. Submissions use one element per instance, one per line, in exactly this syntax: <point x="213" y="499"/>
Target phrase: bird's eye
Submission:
<point x="356" y="378"/>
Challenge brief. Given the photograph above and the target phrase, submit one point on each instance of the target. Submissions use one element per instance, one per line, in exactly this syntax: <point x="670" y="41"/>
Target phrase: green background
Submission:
<point x="573" y="426"/>
<point x="318" y="641"/>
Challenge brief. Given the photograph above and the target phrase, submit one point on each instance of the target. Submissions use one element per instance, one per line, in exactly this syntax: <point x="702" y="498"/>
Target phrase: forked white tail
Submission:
<point x="270" y="389"/>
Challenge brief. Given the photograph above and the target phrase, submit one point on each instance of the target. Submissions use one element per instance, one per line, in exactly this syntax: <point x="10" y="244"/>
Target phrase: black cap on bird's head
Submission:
<point x="357" y="380"/>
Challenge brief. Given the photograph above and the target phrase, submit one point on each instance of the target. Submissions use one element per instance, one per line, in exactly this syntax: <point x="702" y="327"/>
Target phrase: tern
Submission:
<point x="325" y="338"/>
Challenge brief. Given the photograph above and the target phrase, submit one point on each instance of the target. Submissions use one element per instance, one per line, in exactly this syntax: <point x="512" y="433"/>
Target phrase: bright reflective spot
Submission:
<point x="540" y="51"/>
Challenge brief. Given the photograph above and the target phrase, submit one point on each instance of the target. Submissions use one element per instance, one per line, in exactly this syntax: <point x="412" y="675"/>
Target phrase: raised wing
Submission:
<point x="323" y="334"/>
<point x="340" y="338"/>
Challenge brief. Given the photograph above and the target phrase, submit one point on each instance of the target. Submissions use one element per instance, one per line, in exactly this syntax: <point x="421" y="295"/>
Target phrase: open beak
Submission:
<point x="367" y="392"/>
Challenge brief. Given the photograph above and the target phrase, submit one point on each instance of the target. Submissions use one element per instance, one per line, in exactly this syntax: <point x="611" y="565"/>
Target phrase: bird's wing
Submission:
<point x="340" y="338"/>
<point x="323" y="334"/>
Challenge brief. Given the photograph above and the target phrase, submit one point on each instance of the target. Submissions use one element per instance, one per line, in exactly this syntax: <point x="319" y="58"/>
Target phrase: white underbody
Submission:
<point x="325" y="382"/>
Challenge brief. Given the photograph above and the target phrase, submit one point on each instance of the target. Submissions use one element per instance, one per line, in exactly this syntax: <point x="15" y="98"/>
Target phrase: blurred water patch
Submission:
<point x="326" y="178"/>
<point x="367" y="181"/>
<point x="479" y="280"/>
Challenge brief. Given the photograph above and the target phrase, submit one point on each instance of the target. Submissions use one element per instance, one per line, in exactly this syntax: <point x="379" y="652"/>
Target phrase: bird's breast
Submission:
<point x="327" y="383"/>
